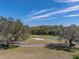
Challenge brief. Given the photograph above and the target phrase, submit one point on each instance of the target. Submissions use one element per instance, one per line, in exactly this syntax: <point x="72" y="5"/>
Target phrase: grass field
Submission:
<point x="48" y="39"/>
<point x="37" y="52"/>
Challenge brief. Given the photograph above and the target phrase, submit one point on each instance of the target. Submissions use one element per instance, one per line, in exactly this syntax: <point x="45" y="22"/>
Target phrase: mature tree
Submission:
<point x="10" y="28"/>
<point x="4" y="29"/>
<point x="19" y="31"/>
<point x="69" y="33"/>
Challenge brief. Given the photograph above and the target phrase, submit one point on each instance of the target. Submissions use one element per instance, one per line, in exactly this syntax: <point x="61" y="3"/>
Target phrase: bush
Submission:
<point x="76" y="57"/>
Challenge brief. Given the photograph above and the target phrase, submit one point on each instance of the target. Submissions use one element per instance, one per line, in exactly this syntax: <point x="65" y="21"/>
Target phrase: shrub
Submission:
<point x="76" y="57"/>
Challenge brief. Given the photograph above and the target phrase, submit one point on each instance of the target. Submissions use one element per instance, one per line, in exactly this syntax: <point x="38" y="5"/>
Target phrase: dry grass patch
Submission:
<point x="35" y="53"/>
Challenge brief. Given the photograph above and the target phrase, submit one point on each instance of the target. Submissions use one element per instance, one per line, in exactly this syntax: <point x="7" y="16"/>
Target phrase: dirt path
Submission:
<point x="32" y="45"/>
<point x="24" y="44"/>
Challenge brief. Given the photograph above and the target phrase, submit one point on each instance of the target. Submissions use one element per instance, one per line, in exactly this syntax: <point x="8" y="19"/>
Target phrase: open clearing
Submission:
<point x="37" y="52"/>
<point x="47" y="39"/>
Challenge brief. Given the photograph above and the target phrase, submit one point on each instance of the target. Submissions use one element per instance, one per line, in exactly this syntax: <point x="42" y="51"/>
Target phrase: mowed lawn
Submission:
<point x="37" y="52"/>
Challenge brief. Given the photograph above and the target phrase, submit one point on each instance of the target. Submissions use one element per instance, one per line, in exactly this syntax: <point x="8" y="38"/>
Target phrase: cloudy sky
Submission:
<point x="42" y="12"/>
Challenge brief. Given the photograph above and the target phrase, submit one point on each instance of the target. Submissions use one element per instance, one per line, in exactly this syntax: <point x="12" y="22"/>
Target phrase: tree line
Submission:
<point x="13" y="30"/>
<point x="70" y="33"/>
<point x="45" y="30"/>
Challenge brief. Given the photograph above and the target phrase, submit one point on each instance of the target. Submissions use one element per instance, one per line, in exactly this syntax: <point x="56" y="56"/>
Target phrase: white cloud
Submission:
<point x="69" y="9"/>
<point x="38" y="12"/>
<point x="40" y="16"/>
<point x="66" y="1"/>
<point x="52" y="13"/>
<point x="74" y="15"/>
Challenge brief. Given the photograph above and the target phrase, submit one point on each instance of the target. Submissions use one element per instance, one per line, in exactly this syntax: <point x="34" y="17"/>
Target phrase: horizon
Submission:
<point x="42" y="12"/>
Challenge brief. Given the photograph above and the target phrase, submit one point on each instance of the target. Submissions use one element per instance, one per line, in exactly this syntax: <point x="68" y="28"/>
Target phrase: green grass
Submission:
<point x="48" y="39"/>
<point x="30" y="41"/>
<point x="42" y="36"/>
<point x="76" y="57"/>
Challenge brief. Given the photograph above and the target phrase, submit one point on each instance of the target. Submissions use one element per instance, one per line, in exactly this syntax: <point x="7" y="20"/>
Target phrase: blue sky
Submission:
<point x="42" y="12"/>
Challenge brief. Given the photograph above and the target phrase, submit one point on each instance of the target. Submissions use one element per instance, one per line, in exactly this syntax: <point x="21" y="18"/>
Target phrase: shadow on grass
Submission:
<point x="76" y="56"/>
<point x="59" y="46"/>
<point x="4" y="47"/>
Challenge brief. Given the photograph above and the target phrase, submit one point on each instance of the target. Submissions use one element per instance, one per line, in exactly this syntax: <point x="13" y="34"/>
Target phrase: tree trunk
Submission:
<point x="7" y="44"/>
<point x="70" y="43"/>
<point x="16" y="38"/>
